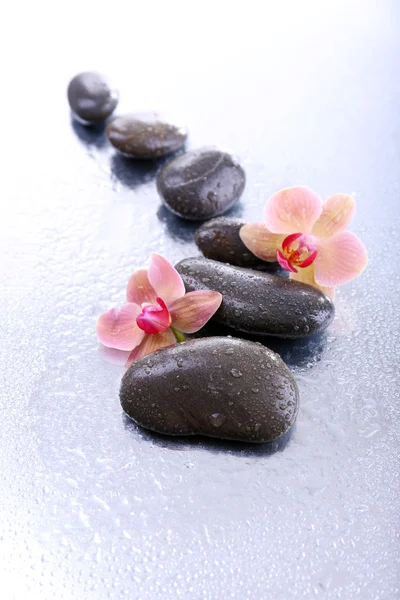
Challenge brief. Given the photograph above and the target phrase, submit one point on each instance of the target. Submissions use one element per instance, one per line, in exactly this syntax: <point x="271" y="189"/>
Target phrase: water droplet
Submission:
<point x="255" y="390"/>
<point x="180" y="362"/>
<point x="236" y="373"/>
<point x="238" y="312"/>
<point x="230" y="403"/>
<point x="217" y="419"/>
<point x="229" y="351"/>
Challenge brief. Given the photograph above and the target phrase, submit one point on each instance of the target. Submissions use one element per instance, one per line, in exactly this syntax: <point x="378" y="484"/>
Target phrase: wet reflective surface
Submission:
<point x="90" y="505"/>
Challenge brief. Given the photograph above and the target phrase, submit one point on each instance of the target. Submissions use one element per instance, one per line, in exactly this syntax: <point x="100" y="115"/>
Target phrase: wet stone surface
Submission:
<point x="219" y="387"/>
<point x="91" y="97"/>
<point x="219" y="239"/>
<point x="259" y="303"/>
<point x="201" y="184"/>
<point x="145" y="135"/>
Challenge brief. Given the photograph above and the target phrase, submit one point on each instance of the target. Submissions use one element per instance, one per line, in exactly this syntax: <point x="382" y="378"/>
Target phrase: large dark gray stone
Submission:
<point x="259" y="303"/>
<point x="219" y="387"/>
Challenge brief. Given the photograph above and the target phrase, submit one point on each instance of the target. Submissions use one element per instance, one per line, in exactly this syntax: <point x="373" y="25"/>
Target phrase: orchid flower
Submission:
<point x="157" y="312"/>
<point x="307" y="238"/>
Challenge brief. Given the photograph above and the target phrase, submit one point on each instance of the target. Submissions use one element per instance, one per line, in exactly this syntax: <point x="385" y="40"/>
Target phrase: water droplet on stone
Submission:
<point x="236" y="373"/>
<point x="217" y="419"/>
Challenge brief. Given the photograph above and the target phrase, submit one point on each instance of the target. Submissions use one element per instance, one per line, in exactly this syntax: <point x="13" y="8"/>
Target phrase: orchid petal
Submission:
<point x="113" y="356"/>
<point x="165" y="279"/>
<point x="340" y="259"/>
<point x="117" y="328"/>
<point x="154" y="319"/>
<point x="307" y="276"/>
<point x="288" y="241"/>
<point x="150" y="344"/>
<point x="260" y="241"/>
<point x="292" y="209"/>
<point x="191" y="313"/>
<point x="337" y="213"/>
<point x="285" y="264"/>
<point x="308" y="261"/>
<point x="139" y="289"/>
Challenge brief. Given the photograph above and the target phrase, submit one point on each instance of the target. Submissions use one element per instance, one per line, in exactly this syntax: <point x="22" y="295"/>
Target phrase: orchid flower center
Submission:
<point x="154" y="319"/>
<point x="298" y="250"/>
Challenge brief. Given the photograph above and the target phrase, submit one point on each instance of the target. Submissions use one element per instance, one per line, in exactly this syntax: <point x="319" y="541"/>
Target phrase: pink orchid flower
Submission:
<point x="157" y="311"/>
<point x="308" y="239"/>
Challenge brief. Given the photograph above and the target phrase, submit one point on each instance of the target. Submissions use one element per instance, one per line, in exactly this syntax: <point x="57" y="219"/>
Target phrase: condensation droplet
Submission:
<point x="217" y="419"/>
<point x="236" y="373"/>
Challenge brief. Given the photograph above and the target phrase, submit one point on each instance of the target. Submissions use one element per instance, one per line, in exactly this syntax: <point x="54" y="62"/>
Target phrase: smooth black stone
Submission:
<point x="201" y="184"/>
<point x="219" y="387"/>
<point x="145" y="135"/>
<point x="259" y="303"/>
<point x="219" y="239"/>
<point x="91" y="97"/>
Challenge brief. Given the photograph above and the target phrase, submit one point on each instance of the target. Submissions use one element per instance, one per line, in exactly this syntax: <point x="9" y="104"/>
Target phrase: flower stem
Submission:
<point x="178" y="335"/>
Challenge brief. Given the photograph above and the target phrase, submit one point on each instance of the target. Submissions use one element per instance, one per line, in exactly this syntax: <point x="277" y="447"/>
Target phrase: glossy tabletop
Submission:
<point x="93" y="507"/>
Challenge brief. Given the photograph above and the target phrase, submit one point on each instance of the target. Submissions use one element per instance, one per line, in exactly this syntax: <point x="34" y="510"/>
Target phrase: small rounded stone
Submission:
<point x="219" y="377"/>
<point x="91" y="97"/>
<point x="219" y="239"/>
<point x="145" y="135"/>
<point x="201" y="184"/>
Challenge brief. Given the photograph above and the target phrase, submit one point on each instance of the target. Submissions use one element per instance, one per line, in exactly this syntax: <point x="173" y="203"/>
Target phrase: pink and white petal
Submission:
<point x="117" y="328"/>
<point x="260" y="241"/>
<point x="337" y="213"/>
<point x="191" y="313"/>
<point x="139" y="289"/>
<point x="165" y="279"/>
<point x="340" y="259"/>
<point x="284" y="263"/>
<point x="292" y="210"/>
<point x="150" y="344"/>
<point x="113" y="356"/>
<point x="307" y="276"/>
